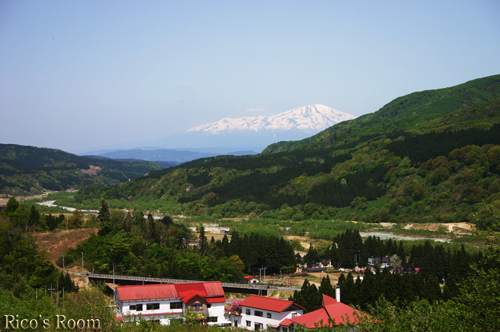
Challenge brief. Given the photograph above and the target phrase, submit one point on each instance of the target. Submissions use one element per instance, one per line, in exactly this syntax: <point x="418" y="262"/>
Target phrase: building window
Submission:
<point x="152" y="306"/>
<point x="258" y="313"/>
<point x="209" y="305"/>
<point x="176" y="305"/>
<point x="269" y="315"/>
<point x="249" y="323"/>
<point x="196" y="306"/>
<point x="132" y="307"/>
<point x="294" y="315"/>
<point x="284" y="329"/>
<point x="138" y="307"/>
<point x="212" y="319"/>
<point x="248" y="312"/>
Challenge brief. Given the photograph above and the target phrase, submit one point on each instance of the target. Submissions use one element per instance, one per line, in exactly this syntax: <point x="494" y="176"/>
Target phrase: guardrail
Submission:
<point x="172" y="281"/>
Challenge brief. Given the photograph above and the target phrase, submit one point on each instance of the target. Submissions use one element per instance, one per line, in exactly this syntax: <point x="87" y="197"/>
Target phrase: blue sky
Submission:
<point x="79" y="75"/>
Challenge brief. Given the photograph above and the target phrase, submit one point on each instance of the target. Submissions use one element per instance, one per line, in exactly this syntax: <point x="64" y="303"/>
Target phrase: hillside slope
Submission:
<point x="412" y="111"/>
<point x="30" y="170"/>
<point x="439" y="170"/>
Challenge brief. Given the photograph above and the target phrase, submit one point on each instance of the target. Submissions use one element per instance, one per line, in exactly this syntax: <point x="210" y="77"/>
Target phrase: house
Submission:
<point x="251" y="279"/>
<point x="260" y="312"/>
<point x="165" y="302"/>
<point x="384" y="261"/>
<point x="403" y="268"/>
<point x="331" y="313"/>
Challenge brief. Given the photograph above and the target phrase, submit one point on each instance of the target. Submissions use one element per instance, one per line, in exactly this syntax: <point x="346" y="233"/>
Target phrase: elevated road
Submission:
<point x="261" y="289"/>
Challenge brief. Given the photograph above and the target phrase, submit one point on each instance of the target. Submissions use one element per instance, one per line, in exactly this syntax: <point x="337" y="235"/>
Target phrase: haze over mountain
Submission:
<point x="232" y="136"/>
<point x="164" y="155"/>
<point x="257" y="132"/>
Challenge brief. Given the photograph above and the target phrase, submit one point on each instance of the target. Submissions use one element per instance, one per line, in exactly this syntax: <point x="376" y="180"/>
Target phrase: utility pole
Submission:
<point x="265" y="274"/>
<point x="260" y="281"/>
<point x="114" y="288"/>
<point x="51" y="290"/>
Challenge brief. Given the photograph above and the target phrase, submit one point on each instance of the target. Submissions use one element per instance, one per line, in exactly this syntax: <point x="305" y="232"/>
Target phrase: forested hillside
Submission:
<point x="30" y="170"/>
<point x="409" y="112"/>
<point x="439" y="170"/>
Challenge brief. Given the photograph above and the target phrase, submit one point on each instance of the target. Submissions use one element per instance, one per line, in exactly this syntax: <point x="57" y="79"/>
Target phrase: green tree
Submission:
<point x="104" y="217"/>
<point x="202" y="243"/>
<point x="12" y="205"/>
<point x="326" y="287"/>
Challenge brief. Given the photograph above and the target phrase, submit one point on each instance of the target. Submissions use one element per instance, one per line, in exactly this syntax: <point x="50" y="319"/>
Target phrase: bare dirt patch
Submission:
<point x="304" y="241"/>
<point x="450" y="227"/>
<point x="59" y="241"/>
<point x="92" y="171"/>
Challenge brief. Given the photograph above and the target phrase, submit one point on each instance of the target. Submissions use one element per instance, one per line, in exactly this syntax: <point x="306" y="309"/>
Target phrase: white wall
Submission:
<point x="276" y="317"/>
<point x="217" y="310"/>
<point x="164" y="312"/>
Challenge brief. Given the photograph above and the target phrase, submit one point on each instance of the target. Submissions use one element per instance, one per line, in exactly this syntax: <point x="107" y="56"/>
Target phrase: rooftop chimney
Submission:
<point x="337" y="293"/>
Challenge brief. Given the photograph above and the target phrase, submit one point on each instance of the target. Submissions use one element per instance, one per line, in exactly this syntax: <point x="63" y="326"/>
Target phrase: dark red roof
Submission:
<point x="211" y="291"/>
<point x="270" y="304"/>
<point x="332" y="311"/>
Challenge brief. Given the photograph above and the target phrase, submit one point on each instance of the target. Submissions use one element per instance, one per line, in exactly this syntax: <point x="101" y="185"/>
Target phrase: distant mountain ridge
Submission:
<point x="256" y="132"/>
<point x="30" y="170"/>
<point x="171" y="157"/>
<point x="429" y="156"/>
<point x="309" y="119"/>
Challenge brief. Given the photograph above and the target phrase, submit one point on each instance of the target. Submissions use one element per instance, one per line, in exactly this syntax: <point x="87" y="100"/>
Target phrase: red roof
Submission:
<point x="332" y="311"/>
<point x="146" y="292"/>
<point x="248" y="277"/>
<point x="211" y="291"/>
<point x="270" y="304"/>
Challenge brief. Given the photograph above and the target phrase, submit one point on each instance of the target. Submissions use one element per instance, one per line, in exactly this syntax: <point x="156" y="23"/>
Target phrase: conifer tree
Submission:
<point x="225" y="245"/>
<point x="348" y="290"/>
<point x="341" y="279"/>
<point x="69" y="284"/>
<point x="12" y="205"/>
<point x="401" y="252"/>
<point x="203" y="245"/>
<point x="104" y="217"/>
<point x="326" y="287"/>
<point x="432" y="289"/>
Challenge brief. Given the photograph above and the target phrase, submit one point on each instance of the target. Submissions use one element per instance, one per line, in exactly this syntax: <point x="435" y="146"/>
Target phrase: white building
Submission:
<point x="165" y="302"/>
<point x="259" y="312"/>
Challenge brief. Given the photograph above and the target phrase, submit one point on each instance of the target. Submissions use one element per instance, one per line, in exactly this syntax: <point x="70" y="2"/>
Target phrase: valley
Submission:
<point x="397" y="208"/>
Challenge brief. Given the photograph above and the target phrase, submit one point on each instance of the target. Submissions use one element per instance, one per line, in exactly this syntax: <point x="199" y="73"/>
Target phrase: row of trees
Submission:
<point x="137" y="245"/>
<point x="23" y="265"/>
<point x="31" y="220"/>
<point x="348" y="248"/>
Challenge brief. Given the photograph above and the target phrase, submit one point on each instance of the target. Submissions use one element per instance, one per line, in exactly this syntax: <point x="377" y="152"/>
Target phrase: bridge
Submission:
<point x="259" y="289"/>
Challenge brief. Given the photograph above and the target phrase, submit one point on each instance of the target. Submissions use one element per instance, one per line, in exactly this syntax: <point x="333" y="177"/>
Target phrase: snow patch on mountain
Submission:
<point x="309" y="119"/>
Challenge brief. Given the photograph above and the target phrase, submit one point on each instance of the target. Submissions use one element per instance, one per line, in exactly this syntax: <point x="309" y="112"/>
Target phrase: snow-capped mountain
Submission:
<point x="308" y="119"/>
<point x="251" y="133"/>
